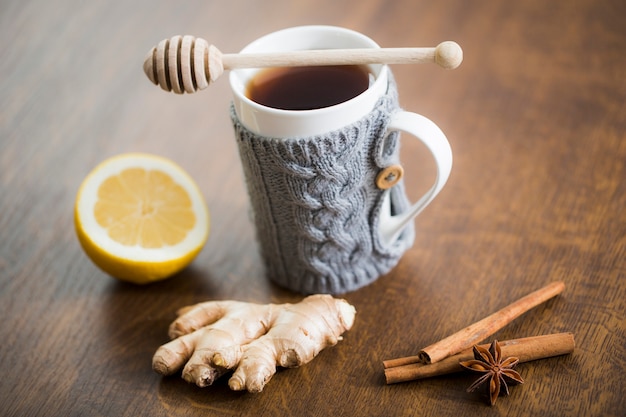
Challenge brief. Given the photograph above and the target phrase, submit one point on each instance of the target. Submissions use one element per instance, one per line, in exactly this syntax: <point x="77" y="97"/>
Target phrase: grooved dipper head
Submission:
<point x="183" y="64"/>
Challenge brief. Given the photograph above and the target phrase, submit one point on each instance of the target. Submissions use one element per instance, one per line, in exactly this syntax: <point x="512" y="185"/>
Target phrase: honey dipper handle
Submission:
<point x="447" y="55"/>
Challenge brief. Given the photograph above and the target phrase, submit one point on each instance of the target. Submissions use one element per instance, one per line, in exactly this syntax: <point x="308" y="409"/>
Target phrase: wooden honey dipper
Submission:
<point x="188" y="64"/>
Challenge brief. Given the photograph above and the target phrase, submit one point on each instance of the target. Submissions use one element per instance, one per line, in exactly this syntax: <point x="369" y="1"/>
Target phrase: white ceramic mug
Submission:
<point x="271" y="122"/>
<point x="289" y="124"/>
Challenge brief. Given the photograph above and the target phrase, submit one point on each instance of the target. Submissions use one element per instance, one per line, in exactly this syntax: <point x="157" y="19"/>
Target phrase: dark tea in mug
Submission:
<point x="308" y="88"/>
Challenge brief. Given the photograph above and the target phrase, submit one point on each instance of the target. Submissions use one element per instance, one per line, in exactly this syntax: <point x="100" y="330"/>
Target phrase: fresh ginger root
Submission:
<point x="211" y="338"/>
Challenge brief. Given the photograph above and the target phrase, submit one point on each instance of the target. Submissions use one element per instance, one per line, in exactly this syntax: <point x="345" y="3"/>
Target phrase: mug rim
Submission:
<point x="239" y="78"/>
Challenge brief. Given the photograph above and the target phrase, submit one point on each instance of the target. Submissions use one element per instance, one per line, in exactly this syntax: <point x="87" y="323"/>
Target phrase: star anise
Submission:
<point x="497" y="371"/>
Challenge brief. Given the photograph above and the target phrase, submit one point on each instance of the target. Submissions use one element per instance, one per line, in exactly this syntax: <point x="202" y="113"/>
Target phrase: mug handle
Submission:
<point x="435" y="140"/>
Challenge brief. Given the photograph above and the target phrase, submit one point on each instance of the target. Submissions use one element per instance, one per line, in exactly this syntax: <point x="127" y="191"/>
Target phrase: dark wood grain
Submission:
<point x="536" y="116"/>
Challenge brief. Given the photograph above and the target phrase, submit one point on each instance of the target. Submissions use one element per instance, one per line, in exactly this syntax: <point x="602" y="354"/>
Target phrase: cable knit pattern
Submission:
<point x="316" y="205"/>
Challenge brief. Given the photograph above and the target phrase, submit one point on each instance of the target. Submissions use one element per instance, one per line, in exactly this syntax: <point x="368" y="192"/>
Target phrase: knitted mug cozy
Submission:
<point x="316" y="206"/>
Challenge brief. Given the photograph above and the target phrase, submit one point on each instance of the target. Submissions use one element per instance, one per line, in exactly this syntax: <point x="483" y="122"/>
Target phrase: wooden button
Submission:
<point x="389" y="176"/>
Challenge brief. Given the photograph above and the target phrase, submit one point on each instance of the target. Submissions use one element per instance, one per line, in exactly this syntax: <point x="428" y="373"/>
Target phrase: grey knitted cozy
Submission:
<point x="316" y="205"/>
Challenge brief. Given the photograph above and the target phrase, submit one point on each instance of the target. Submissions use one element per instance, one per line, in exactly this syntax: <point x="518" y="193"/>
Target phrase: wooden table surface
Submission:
<point x="536" y="116"/>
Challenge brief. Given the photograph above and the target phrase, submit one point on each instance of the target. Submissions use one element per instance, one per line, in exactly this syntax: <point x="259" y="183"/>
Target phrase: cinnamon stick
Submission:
<point x="484" y="328"/>
<point x="526" y="349"/>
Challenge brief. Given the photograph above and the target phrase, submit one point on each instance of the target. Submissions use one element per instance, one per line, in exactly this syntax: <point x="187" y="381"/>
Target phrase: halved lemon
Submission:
<point x="140" y="217"/>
